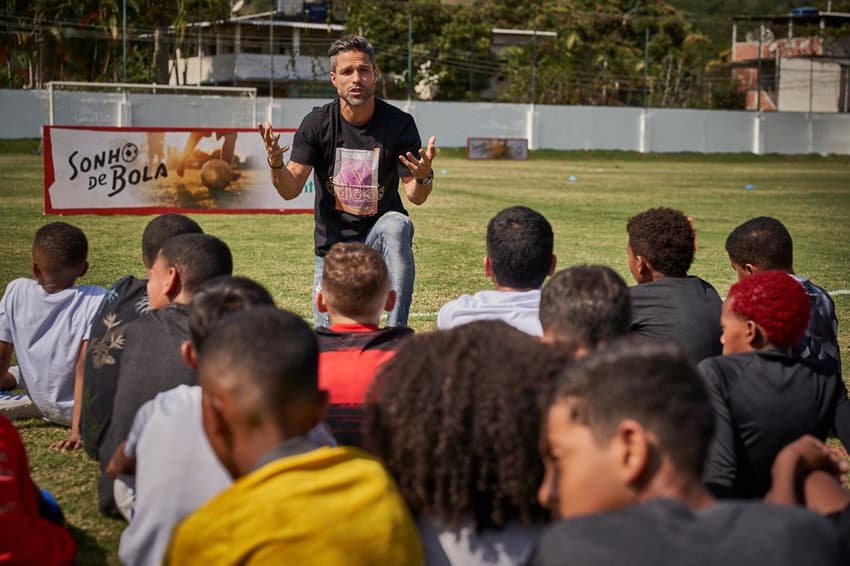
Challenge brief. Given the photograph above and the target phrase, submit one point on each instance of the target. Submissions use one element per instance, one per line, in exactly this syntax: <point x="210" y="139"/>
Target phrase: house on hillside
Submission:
<point x="266" y="44"/>
<point x="799" y="62"/>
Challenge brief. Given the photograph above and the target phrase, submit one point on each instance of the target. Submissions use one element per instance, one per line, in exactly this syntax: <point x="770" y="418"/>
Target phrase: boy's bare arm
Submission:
<point x="120" y="463"/>
<point x="6" y="381"/>
<point x="72" y="441"/>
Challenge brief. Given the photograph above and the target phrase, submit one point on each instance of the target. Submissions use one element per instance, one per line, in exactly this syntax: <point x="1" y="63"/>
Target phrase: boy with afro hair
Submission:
<point x="762" y="244"/>
<point x="667" y="303"/>
<point x="765" y="398"/>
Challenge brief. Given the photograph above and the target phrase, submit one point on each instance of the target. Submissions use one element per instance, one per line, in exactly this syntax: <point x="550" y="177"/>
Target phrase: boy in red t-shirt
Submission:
<point x="355" y="292"/>
<point x="31" y="529"/>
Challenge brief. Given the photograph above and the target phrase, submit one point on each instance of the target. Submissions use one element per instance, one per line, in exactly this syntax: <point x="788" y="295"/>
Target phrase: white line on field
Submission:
<point x="840" y="292"/>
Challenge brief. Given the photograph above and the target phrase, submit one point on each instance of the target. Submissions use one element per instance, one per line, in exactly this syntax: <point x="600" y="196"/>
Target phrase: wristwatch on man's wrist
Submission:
<point x="427" y="179"/>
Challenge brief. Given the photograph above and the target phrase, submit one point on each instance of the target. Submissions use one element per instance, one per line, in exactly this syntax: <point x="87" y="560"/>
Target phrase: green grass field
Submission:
<point x="810" y="194"/>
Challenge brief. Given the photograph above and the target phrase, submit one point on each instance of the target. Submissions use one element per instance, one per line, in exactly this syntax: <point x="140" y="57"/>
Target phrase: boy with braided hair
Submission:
<point x="763" y="396"/>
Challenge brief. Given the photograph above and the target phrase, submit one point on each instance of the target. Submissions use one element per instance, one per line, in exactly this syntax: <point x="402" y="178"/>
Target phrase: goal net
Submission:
<point x="126" y="104"/>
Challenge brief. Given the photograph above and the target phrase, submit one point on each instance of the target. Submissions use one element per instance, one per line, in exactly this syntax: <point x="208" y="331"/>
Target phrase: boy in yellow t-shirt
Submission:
<point x="292" y="501"/>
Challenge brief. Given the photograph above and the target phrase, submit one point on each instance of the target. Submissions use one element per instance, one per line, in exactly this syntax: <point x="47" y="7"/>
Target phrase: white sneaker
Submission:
<point x="17" y="406"/>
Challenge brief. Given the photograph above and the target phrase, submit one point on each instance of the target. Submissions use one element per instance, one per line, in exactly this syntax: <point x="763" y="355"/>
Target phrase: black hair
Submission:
<point x="519" y="245"/>
<point x="664" y="237"/>
<point x="160" y="229"/>
<point x="653" y="383"/>
<point x="763" y="242"/>
<point x="351" y="43"/>
<point x="274" y="349"/>
<point x="197" y="258"/>
<point x="586" y="305"/>
<point x="455" y="417"/>
<point x="61" y="247"/>
<point x="220" y="296"/>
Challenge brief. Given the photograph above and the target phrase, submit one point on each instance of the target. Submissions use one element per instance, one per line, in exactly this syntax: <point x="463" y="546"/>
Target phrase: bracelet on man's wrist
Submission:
<point x="268" y="159"/>
<point x="426" y="179"/>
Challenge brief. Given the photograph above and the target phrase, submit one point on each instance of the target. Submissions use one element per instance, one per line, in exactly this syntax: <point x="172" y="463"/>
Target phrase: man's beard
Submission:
<point x="366" y="94"/>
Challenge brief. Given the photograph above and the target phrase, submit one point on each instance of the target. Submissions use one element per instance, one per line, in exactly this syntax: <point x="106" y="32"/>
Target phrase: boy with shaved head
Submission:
<point x="624" y="444"/>
<point x="46" y="321"/>
<point x="293" y="501"/>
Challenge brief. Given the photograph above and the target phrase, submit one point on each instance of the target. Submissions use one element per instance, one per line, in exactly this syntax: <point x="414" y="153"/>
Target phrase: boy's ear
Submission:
<point x="36" y="271"/>
<point x="756" y="336"/>
<point x="488" y="267"/>
<point x="634" y="452"/>
<point x="392" y="297"/>
<point x="173" y="282"/>
<point x="553" y="265"/>
<point x="84" y="269"/>
<point x="321" y="303"/>
<point x="750" y="268"/>
<point x="188" y="353"/>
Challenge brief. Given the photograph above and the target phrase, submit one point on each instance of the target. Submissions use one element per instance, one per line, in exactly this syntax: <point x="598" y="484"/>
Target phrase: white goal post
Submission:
<point x="130" y="104"/>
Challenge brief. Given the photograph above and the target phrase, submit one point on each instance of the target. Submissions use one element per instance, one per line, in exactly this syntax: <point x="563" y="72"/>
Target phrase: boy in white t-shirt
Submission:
<point x="46" y="322"/>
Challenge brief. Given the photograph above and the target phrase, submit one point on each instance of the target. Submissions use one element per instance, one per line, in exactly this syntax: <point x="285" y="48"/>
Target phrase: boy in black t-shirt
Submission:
<point x="126" y="299"/>
<point x="152" y="361"/>
<point x="764" y="396"/>
<point x="624" y="441"/>
<point x="667" y="303"/>
<point x="359" y="147"/>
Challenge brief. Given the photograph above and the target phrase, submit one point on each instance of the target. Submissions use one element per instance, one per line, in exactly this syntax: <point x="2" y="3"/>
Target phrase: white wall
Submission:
<point x="805" y="84"/>
<point x="22" y="114"/>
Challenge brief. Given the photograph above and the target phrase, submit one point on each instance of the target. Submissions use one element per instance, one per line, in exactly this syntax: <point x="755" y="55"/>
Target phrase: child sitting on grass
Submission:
<point x="624" y="441"/>
<point x="763" y="244"/>
<point x="152" y="362"/>
<point x="126" y="300"/>
<point x="667" y="303"/>
<point x="355" y="292"/>
<point x="765" y="397"/>
<point x="46" y="321"/>
<point x="294" y="501"/>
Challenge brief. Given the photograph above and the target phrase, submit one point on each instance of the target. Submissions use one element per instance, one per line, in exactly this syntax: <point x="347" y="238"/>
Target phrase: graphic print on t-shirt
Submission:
<point x="355" y="180"/>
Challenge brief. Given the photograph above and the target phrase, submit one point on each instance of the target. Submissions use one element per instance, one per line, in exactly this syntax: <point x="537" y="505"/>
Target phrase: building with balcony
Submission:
<point x="278" y="46"/>
<point x="798" y="62"/>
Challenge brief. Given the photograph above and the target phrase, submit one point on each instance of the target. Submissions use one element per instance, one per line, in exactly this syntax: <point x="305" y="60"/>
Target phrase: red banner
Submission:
<point x="97" y="170"/>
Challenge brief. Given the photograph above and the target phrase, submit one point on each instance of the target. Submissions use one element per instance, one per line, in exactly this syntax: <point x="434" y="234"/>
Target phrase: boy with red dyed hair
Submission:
<point x="764" y="397"/>
<point x="355" y="292"/>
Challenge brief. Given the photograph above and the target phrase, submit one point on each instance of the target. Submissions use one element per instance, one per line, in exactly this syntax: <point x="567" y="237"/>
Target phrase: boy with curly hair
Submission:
<point x="667" y="303"/>
<point x="762" y="244"/>
<point x="46" y="321"/>
<point x="454" y="416"/>
<point x="355" y="292"/>
<point x="764" y="397"/>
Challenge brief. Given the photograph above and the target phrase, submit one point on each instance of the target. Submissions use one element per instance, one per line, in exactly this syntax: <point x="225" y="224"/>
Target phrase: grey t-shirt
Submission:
<point x="685" y="310"/>
<point x="665" y="531"/>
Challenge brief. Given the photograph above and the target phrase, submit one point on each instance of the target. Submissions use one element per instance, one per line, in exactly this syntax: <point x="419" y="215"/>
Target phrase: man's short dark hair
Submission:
<point x="586" y="305"/>
<point x="665" y="238"/>
<point x="351" y="43"/>
<point x="653" y="383"/>
<point x="519" y="245"/>
<point x="273" y="349"/>
<point x="220" y="296"/>
<point x="763" y="242"/>
<point x="61" y="246"/>
<point x="160" y="229"/>
<point x="354" y="277"/>
<point x="197" y="258"/>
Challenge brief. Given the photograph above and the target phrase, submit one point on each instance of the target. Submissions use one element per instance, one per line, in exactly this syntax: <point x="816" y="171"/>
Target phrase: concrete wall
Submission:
<point x="546" y="127"/>
<point x="805" y="84"/>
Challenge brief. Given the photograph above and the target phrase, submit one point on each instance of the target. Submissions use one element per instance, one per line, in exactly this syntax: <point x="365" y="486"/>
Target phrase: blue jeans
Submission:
<point x="392" y="235"/>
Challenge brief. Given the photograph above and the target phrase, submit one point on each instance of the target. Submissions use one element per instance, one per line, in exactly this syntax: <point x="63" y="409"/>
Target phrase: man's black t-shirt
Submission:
<point x="356" y="167"/>
<point x="764" y="401"/>
<point x="684" y="310"/>
<point x="665" y="531"/>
